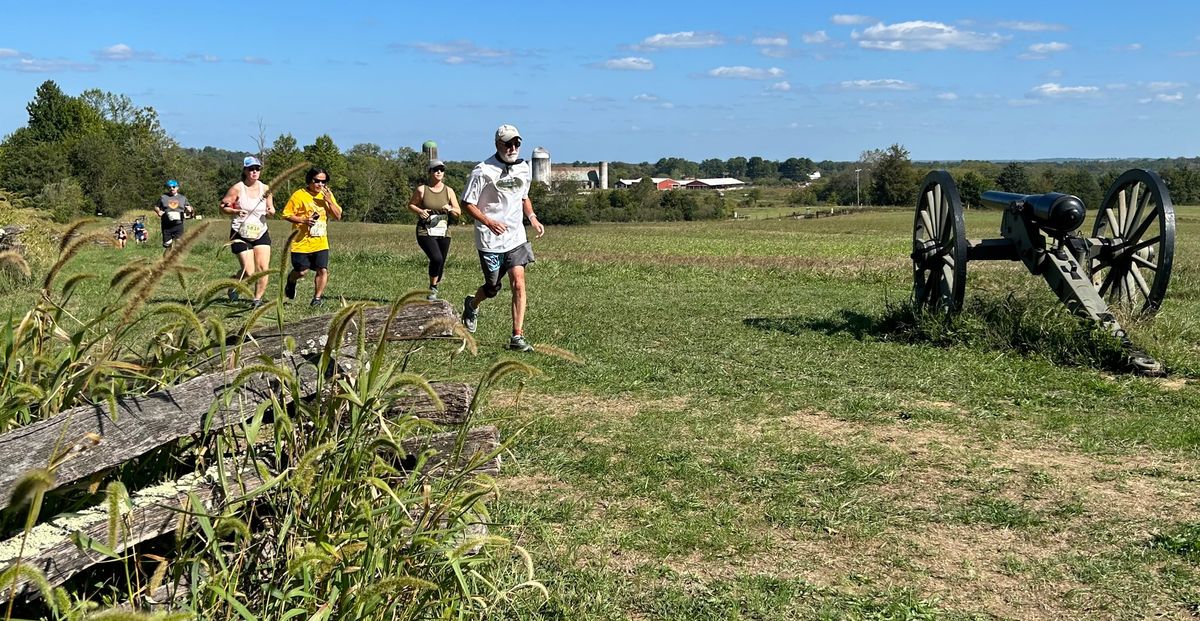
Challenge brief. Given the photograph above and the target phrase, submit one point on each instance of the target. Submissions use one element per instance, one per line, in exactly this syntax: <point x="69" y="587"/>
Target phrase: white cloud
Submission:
<point x="255" y="60"/>
<point x="590" y="99"/>
<point x="1049" y="48"/>
<point x="687" y="39"/>
<point x="781" y="87"/>
<point x="647" y="97"/>
<point x="746" y="73"/>
<point x="48" y="65"/>
<point x="1169" y="98"/>
<point x="1055" y="90"/>
<point x="458" y="52"/>
<point x="842" y="19"/>
<point x="878" y="85"/>
<point x="629" y="63"/>
<point x="947" y="96"/>
<point x="1166" y="86"/>
<point x="770" y="41"/>
<point x="815" y="38"/>
<point x="1031" y="26"/>
<point x="119" y="51"/>
<point x="1132" y="47"/>
<point x="8" y="53"/>
<point x="917" y="36"/>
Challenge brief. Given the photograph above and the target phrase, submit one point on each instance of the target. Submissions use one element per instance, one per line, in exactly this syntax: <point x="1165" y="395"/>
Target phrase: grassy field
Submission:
<point x="747" y="438"/>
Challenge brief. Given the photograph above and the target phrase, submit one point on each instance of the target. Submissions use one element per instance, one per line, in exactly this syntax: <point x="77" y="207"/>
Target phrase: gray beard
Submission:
<point x="503" y="158"/>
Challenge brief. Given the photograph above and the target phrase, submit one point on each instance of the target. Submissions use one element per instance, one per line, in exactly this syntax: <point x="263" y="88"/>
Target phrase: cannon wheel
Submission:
<point x="1138" y="219"/>
<point x="939" y="245"/>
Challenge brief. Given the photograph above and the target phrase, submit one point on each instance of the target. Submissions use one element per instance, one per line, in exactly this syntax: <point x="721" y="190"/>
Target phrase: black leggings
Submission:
<point x="437" y="249"/>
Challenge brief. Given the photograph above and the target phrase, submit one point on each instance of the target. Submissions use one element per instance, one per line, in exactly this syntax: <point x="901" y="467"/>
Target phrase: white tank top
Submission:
<point x="255" y="206"/>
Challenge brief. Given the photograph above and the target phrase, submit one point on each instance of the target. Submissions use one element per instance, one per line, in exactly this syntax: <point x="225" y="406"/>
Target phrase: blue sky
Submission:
<point x="636" y="81"/>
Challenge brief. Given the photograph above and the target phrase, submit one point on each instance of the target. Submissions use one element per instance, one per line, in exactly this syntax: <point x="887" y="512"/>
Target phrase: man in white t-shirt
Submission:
<point x="497" y="197"/>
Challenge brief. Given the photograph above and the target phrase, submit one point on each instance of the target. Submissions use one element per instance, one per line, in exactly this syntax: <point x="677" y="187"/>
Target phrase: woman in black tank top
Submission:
<point x="434" y="204"/>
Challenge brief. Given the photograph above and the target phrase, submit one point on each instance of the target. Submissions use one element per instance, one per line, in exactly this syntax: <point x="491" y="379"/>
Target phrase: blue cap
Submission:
<point x="249" y="161"/>
<point x="171" y="183"/>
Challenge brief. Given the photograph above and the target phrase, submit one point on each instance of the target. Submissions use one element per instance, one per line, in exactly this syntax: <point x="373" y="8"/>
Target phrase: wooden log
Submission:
<point x="52" y="546"/>
<point x="93" y="441"/>
<point x="455" y="396"/>
<point x="420" y="320"/>
<point x="479" y="440"/>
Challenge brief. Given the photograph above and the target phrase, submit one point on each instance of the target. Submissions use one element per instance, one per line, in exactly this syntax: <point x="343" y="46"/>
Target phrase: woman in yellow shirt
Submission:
<point x="309" y="210"/>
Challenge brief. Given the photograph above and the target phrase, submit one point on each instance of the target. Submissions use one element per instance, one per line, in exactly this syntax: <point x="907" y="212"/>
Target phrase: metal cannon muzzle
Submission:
<point x="1055" y="211"/>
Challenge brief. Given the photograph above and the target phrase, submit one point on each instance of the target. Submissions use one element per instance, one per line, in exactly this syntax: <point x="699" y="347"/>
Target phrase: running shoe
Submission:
<point x="290" y="289"/>
<point x="432" y="293"/>
<point x="470" y="315"/>
<point x="256" y="303"/>
<point x="233" y="294"/>
<point x="315" y="302"/>
<point x="518" y="343"/>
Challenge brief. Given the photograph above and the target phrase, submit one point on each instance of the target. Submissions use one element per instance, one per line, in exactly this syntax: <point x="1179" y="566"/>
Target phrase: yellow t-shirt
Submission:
<point x="302" y="204"/>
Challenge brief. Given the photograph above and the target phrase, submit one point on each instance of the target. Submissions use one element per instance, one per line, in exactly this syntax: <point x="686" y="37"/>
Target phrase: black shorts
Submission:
<point x="241" y="244"/>
<point x="171" y="234"/>
<point x="496" y="264"/>
<point x="303" y="261"/>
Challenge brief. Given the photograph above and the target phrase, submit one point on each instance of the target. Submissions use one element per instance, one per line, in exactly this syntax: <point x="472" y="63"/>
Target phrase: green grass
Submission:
<point x="751" y="437"/>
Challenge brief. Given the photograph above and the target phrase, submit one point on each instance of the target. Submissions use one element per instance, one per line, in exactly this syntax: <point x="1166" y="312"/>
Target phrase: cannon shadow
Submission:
<point x="856" y="324"/>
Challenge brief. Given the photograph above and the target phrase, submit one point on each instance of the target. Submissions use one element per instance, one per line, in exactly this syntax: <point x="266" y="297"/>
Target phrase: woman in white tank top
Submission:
<point x="249" y="202"/>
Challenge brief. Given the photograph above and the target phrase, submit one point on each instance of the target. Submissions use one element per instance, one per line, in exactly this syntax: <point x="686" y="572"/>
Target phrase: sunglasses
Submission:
<point x="438" y="169"/>
<point x="514" y="143"/>
<point x="255" y="169"/>
<point x="320" y="181"/>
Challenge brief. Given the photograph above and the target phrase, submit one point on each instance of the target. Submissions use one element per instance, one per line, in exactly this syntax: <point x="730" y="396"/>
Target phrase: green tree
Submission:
<point x="712" y="167"/>
<point x="758" y="169"/>
<point x="796" y="169"/>
<point x="1078" y="182"/>
<point x="736" y="167"/>
<point x="1013" y="178"/>
<point x="325" y="154"/>
<point x="280" y="156"/>
<point x="970" y="185"/>
<point x="895" y="179"/>
<point x="63" y="200"/>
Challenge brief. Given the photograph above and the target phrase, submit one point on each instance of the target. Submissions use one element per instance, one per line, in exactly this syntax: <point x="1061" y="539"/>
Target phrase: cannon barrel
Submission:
<point x="1054" y="211"/>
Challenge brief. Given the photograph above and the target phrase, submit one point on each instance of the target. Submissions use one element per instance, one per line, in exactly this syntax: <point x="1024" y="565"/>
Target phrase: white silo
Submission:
<point x="541" y="165"/>
<point x="603" y="175"/>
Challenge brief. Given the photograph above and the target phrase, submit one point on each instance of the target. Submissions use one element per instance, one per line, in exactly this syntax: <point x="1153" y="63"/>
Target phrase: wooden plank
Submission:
<point x="151" y="512"/>
<point x="420" y="320"/>
<point x="146" y="422"/>
<point x="479" y="440"/>
<point x="455" y="396"/>
<point x="141" y="425"/>
<point x="52" y="549"/>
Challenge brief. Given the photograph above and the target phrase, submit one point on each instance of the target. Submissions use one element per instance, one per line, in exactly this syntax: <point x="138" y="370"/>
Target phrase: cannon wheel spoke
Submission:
<point x="1139" y="218"/>
<point x="939" y="245"/>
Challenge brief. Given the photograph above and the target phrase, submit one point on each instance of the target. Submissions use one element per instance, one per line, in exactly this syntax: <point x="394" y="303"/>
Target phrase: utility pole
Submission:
<point x="857" y="193"/>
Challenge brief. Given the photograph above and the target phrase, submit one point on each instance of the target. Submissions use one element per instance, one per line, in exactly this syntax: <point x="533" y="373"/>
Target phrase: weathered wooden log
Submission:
<point x="58" y="548"/>
<point x="449" y="454"/>
<point x="88" y="439"/>
<point x="421" y="320"/>
<point x="455" y="396"/>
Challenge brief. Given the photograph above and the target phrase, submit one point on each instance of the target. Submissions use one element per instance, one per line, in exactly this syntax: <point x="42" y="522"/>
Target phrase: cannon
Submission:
<point x="1126" y="263"/>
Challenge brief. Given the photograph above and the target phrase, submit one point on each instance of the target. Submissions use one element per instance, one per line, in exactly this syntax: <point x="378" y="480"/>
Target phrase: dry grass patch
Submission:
<point x="824" y="266"/>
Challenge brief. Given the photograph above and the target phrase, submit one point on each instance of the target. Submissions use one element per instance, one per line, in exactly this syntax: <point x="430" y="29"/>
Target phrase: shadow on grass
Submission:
<point x="856" y="324"/>
<point x="1008" y="323"/>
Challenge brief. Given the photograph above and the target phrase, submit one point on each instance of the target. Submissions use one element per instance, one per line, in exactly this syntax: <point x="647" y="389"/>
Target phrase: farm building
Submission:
<point x="721" y="183"/>
<point x="662" y="183"/>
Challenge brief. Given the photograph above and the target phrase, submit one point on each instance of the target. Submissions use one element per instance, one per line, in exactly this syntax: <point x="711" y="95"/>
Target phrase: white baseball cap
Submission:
<point x="504" y="133"/>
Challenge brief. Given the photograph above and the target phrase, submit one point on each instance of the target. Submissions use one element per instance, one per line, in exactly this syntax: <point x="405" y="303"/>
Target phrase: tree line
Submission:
<point x="100" y="153"/>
